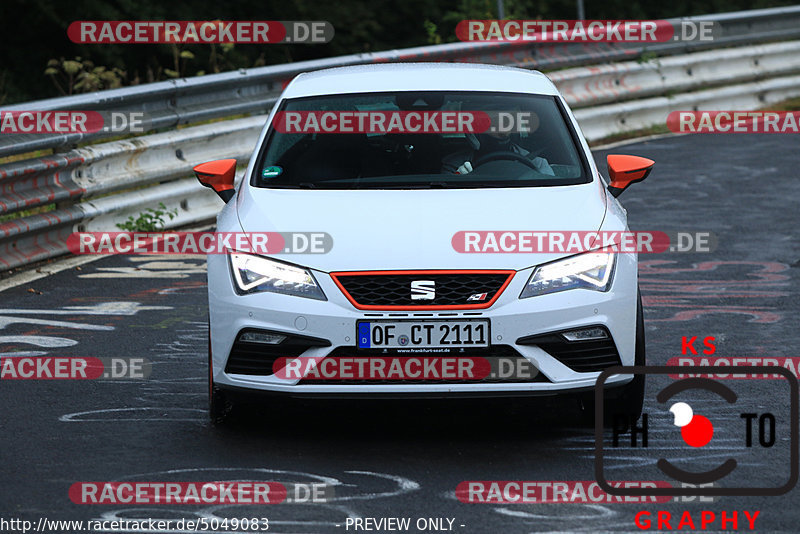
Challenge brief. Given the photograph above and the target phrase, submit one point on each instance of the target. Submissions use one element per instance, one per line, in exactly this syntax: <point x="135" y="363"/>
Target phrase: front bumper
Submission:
<point x="511" y="319"/>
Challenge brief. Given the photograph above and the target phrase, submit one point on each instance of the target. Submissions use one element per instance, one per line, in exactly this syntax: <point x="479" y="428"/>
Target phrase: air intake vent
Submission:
<point x="581" y="356"/>
<point x="249" y="357"/>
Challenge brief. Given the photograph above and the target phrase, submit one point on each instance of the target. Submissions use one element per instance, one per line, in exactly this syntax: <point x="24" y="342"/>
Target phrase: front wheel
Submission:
<point x="627" y="400"/>
<point x="630" y="401"/>
<point x="220" y="405"/>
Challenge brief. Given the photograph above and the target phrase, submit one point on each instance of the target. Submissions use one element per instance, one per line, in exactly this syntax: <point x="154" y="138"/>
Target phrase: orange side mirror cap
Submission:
<point x="219" y="175"/>
<point x="626" y="170"/>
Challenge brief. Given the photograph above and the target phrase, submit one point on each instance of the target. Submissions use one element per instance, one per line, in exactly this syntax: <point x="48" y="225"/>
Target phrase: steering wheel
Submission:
<point x="504" y="154"/>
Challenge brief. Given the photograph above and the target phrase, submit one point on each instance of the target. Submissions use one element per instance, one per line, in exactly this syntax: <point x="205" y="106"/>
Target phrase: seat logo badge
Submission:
<point x="478" y="297"/>
<point x="423" y="289"/>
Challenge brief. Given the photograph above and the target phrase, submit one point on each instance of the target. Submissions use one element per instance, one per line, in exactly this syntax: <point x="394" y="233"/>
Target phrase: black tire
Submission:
<point x="627" y="400"/>
<point x="220" y="405"/>
<point x="630" y="400"/>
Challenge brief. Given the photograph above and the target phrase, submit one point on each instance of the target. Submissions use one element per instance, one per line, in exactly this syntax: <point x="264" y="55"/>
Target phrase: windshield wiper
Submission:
<point x="434" y="184"/>
<point x="301" y="185"/>
<point x="425" y="185"/>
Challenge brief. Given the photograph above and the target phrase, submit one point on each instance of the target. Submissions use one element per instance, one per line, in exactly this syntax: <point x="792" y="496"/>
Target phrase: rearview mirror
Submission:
<point x="626" y="170"/>
<point x="219" y="175"/>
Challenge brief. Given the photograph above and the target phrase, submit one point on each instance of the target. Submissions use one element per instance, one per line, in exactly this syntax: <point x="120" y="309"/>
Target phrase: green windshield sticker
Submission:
<point x="269" y="172"/>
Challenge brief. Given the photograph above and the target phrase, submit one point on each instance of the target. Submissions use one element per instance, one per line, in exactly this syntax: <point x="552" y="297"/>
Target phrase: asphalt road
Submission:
<point x="395" y="459"/>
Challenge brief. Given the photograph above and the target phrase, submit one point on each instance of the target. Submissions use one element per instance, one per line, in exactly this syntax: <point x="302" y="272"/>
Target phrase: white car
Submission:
<point x="391" y="206"/>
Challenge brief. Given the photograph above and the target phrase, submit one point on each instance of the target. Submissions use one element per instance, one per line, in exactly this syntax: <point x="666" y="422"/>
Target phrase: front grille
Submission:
<point x="247" y="358"/>
<point x="493" y="353"/>
<point x="581" y="356"/>
<point x="396" y="289"/>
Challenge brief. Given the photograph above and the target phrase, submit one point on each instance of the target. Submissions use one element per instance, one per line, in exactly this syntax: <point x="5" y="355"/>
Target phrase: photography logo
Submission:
<point x="696" y="430"/>
<point x="711" y="439"/>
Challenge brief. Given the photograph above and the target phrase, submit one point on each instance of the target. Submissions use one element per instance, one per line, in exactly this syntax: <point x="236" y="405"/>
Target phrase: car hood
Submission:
<point x="414" y="229"/>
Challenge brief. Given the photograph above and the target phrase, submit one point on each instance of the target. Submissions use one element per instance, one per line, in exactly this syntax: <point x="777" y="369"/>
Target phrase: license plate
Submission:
<point x="423" y="334"/>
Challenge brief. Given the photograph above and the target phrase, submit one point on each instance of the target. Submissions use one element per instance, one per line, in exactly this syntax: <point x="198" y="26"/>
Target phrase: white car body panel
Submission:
<point x="412" y="229"/>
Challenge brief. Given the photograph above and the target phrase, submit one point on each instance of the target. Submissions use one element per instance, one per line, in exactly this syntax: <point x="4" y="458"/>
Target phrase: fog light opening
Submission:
<point x="585" y="334"/>
<point x="261" y="337"/>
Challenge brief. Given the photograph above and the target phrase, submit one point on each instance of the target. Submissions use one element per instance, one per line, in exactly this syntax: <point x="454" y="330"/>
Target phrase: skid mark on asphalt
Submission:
<point x="179" y="394"/>
<point x="601" y="512"/>
<point x="20" y="316"/>
<point x="146" y="413"/>
<point x="104" y="308"/>
<point x="39" y="341"/>
<point x="182" y="288"/>
<point x="404" y="485"/>
<point x="684" y="291"/>
<point x="156" y="266"/>
<point x="6" y="321"/>
<point x="189" y="345"/>
<point x="288" y="517"/>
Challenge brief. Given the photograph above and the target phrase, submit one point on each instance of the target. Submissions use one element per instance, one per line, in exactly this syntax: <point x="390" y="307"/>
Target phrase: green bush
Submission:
<point x="149" y="220"/>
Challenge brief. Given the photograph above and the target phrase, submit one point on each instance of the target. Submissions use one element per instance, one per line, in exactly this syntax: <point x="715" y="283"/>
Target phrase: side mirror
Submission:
<point x="219" y="176"/>
<point x="626" y="170"/>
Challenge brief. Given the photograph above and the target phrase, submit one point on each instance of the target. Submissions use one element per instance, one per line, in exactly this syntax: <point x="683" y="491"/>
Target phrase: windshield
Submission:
<point x="419" y="140"/>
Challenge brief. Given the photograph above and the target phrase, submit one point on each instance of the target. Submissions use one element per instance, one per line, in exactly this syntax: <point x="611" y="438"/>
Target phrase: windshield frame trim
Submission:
<point x="283" y="102"/>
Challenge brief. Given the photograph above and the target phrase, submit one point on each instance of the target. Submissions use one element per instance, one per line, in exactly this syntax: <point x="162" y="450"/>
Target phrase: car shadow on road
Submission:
<point x="533" y="418"/>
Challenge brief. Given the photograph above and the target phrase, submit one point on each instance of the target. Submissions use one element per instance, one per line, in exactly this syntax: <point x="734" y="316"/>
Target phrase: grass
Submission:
<point x="622" y="136"/>
<point x="26" y="155"/>
<point x="25" y="213"/>
<point x="793" y="104"/>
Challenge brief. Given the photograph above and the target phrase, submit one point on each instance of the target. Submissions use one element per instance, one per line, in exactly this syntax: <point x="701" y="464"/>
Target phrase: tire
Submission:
<point x="220" y="405"/>
<point x="628" y="399"/>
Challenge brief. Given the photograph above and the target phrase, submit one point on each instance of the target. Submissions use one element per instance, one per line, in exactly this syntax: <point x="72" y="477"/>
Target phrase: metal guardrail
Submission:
<point x="603" y="121"/>
<point x="189" y="100"/>
<point x="631" y="80"/>
<point x="610" y="98"/>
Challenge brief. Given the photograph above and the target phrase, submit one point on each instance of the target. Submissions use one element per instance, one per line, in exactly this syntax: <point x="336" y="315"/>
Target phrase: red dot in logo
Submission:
<point x="698" y="432"/>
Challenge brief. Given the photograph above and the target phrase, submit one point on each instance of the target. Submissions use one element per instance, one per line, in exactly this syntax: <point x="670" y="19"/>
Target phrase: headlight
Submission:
<point x="590" y="270"/>
<point x="253" y="274"/>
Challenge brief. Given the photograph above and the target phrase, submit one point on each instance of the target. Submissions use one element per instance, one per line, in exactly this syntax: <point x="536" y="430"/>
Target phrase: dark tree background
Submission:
<point x="33" y="32"/>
